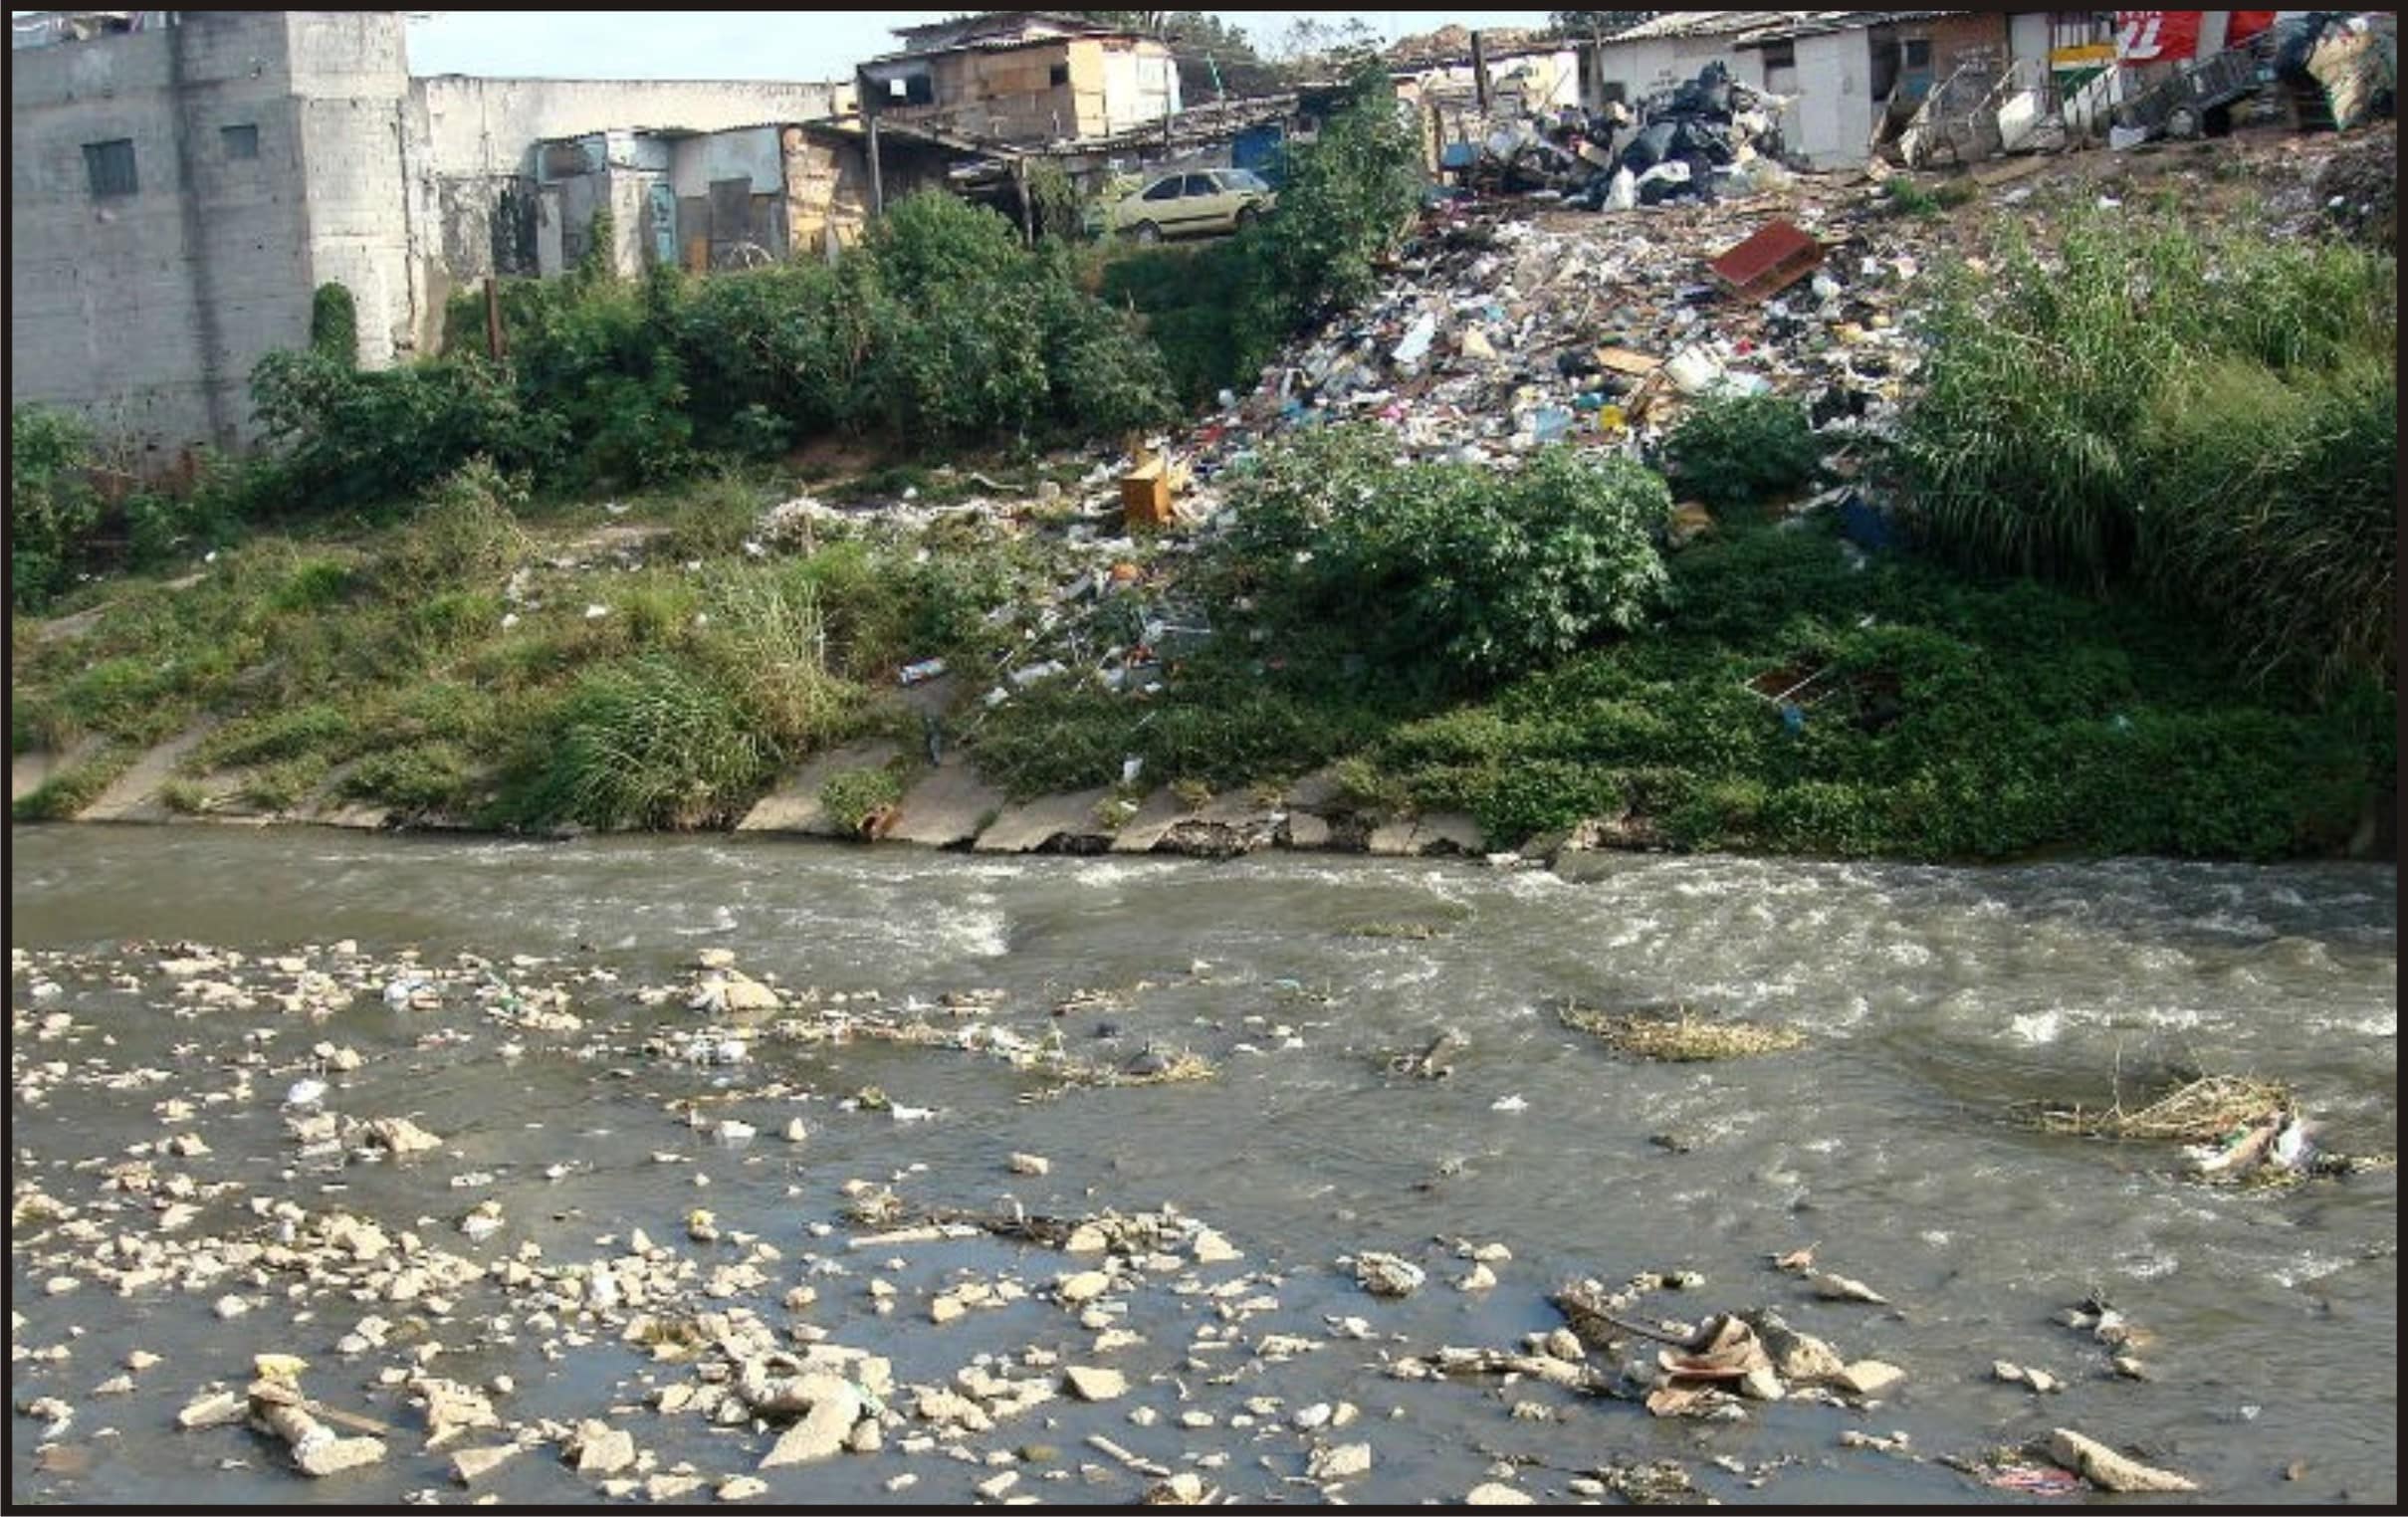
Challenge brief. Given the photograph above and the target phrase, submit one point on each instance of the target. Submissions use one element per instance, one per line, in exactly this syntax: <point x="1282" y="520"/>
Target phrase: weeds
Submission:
<point x="1743" y="450"/>
<point x="1485" y="573"/>
<point x="645" y="743"/>
<point x="854" y="798"/>
<point x="2176" y="411"/>
<point x="65" y="795"/>
<point x="51" y="504"/>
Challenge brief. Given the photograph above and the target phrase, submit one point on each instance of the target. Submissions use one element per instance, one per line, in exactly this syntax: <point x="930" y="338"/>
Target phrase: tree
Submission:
<point x="1588" y="26"/>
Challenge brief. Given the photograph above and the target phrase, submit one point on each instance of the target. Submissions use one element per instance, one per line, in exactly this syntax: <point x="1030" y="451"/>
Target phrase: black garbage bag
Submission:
<point x="2294" y="38"/>
<point x="1651" y="148"/>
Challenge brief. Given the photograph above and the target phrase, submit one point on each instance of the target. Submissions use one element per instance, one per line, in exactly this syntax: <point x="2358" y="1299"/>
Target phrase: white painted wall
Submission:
<point x="486" y="125"/>
<point x="1834" y="108"/>
<point x="1830" y="118"/>
<point x="2027" y="35"/>
<point x="1141" y="86"/>
<point x="1659" y="63"/>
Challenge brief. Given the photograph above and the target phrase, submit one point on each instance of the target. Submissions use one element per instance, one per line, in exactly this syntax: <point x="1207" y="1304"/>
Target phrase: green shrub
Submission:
<point x="354" y="439"/>
<point x="1907" y="198"/>
<point x="418" y="778"/>
<point x="1486" y="574"/>
<point x="51" y="509"/>
<point x="466" y="533"/>
<point x="1743" y="450"/>
<point x="184" y="798"/>
<point x="334" y="324"/>
<point x="852" y="796"/>
<point x="314" y="584"/>
<point x="1347" y="202"/>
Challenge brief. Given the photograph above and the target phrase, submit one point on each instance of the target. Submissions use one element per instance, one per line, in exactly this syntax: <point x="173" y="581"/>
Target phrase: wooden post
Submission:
<point x="492" y="318"/>
<point x="1019" y="181"/>
<point x="866" y="90"/>
<point x="1479" y="72"/>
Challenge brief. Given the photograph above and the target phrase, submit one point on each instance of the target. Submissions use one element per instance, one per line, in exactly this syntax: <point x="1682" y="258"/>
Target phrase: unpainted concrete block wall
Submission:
<point x="144" y="312"/>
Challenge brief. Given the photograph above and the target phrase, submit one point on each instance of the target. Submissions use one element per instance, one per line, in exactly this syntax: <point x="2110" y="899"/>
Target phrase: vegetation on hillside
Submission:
<point x="2149" y="475"/>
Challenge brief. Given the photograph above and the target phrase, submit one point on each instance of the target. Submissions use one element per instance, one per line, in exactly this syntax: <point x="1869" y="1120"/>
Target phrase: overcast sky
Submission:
<point x="759" y="44"/>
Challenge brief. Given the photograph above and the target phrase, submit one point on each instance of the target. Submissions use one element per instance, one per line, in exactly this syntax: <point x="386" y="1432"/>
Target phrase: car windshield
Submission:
<point x="1242" y="179"/>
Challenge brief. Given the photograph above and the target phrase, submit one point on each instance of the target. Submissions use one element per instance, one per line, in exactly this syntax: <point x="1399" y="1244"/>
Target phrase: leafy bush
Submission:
<point x="1743" y="450"/>
<point x="351" y="439"/>
<point x="420" y="777"/>
<point x="51" y="504"/>
<point x="1347" y="202"/>
<point x="334" y="324"/>
<point x="1218" y="312"/>
<point x="1488" y="573"/>
<point x="852" y="796"/>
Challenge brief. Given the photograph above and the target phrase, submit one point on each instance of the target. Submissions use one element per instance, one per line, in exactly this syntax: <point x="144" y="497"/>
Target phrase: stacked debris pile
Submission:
<point x="1500" y="333"/>
<point x="1708" y="138"/>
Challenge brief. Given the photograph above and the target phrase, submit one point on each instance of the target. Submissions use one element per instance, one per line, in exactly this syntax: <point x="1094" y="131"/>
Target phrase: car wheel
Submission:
<point x="1247" y="215"/>
<point x="1146" y="233"/>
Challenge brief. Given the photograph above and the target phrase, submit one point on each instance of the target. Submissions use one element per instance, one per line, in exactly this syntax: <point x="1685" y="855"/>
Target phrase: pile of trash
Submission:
<point x="1708" y="138"/>
<point x="2231" y="1129"/>
<point x="1498" y="334"/>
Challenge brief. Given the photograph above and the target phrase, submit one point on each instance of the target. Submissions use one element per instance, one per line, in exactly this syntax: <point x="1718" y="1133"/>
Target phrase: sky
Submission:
<point x="760" y="44"/>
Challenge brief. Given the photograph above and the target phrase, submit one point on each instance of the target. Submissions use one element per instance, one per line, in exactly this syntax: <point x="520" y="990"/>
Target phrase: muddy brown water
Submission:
<point x="1933" y="1001"/>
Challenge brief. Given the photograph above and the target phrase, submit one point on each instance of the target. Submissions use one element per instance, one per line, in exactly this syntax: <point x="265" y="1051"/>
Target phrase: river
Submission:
<point x="1932" y="1002"/>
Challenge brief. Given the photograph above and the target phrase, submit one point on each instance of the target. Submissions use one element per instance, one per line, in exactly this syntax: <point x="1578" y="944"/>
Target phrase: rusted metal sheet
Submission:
<point x="1775" y="257"/>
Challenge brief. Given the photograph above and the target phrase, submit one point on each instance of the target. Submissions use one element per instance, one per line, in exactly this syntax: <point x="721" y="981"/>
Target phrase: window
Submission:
<point x="111" y="165"/>
<point x="1780" y="54"/>
<point x="1202" y="184"/>
<point x="1919" y="53"/>
<point x="1164" y="189"/>
<point x="1243" y="180"/>
<point x="1059" y="74"/>
<point x="241" y="141"/>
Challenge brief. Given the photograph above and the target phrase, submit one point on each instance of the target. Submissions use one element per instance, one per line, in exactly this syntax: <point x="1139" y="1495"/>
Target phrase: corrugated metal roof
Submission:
<point x="1678" y="24"/>
<point x="1747" y="27"/>
<point x="1819" y="23"/>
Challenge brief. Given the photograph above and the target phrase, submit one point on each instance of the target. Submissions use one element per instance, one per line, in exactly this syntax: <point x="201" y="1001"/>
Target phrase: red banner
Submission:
<point x="2145" y="37"/>
<point x="2244" y="25"/>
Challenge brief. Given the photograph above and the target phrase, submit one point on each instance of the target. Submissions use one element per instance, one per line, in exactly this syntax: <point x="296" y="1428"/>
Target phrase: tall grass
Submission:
<point x="645" y="743"/>
<point x="2211" y="416"/>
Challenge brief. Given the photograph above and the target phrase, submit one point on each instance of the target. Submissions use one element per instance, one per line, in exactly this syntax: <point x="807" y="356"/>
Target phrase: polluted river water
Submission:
<point x="210" y="1023"/>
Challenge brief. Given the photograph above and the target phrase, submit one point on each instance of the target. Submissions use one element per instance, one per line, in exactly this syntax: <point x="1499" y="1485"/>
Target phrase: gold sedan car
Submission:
<point x="1194" y="203"/>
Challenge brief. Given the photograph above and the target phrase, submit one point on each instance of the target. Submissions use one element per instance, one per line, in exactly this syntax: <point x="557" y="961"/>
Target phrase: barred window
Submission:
<point x="111" y="165"/>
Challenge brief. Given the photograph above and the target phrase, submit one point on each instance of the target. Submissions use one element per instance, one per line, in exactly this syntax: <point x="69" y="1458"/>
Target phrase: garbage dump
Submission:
<point x="1500" y="331"/>
<point x="1708" y="138"/>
